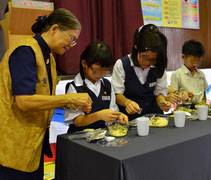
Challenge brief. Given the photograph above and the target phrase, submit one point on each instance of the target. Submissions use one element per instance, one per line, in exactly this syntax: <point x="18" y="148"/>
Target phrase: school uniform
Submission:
<point x="138" y="85"/>
<point x="31" y="70"/>
<point x="182" y="80"/>
<point x="100" y="98"/>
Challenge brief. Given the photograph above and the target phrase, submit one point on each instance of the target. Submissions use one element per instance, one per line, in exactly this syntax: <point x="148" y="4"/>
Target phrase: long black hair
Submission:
<point x="149" y="38"/>
<point x="96" y="53"/>
<point x="62" y="17"/>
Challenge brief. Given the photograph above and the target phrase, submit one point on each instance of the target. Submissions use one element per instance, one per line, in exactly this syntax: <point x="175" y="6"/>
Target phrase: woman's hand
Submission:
<point x="123" y="119"/>
<point x="86" y="109"/>
<point x="108" y="115"/>
<point x="132" y="107"/>
<point x="80" y="99"/>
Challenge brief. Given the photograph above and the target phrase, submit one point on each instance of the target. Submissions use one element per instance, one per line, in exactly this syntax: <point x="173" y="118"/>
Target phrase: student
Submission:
<point x="188" y="77"/>
<point x="139" y="79"/>
<point x="27" y="95"/>
<point x="94" y="65"/>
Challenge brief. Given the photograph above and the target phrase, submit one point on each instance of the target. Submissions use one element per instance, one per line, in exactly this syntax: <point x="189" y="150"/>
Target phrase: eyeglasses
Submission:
<point x="71" y="38"/>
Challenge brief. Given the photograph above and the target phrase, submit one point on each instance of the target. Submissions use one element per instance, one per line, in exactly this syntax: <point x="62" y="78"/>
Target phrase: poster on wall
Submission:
<point x="171" y="13"/>
<point x="190" y="14"/>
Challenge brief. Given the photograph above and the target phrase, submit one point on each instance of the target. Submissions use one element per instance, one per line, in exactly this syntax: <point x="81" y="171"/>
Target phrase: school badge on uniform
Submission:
<point x="106" y="98"/>
<point x="152" y="84"/>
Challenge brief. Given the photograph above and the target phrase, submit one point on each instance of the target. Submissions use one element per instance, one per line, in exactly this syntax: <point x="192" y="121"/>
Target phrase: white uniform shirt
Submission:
<point x="182" y="80"/>
<point x="118" y="78"/>
<point x="71" y="114"/>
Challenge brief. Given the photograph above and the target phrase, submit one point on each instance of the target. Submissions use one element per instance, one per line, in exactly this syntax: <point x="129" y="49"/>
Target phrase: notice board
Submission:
<point x="171" y="13"/>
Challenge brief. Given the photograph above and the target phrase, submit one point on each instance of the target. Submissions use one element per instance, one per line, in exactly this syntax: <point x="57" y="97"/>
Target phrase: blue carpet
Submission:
<point x="58" y="115"/>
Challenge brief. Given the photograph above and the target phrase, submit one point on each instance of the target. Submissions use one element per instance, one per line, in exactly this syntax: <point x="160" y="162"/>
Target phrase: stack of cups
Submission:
<point x="202" y="112"/>
<point x="143" y="126"/>
<point x="179" y="118"/>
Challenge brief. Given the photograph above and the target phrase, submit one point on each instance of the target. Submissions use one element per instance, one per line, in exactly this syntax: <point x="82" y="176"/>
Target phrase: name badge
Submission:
<point x="152" y="84"/>
<point x="106" y="98"/>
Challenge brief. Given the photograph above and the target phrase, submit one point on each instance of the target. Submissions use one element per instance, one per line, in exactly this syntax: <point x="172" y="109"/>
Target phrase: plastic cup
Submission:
<point x="143" y="126"/>
<point x="179" y="118"/>
<point x="202" y="112"/>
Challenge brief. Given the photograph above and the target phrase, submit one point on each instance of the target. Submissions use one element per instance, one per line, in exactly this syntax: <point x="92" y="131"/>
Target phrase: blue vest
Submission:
<point x="99" y="103"/>
<point x="138" y="92"/>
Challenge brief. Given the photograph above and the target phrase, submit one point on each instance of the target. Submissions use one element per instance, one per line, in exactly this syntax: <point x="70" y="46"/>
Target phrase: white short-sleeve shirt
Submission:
<point x="71" y="114"/>
<point x="118" y="78"/>
<point x="182" y="80"/>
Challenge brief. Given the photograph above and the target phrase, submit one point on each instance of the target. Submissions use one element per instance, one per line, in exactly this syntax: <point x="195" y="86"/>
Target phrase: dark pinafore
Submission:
<point x="99" y="103"/>
<point x="138" y="92"/>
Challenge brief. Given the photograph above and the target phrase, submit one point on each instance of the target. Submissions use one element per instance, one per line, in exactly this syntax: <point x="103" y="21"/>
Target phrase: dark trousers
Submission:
<point x="12" y="174"/>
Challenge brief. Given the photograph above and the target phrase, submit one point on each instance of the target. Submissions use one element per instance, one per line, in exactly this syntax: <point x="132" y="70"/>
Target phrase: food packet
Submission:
<point x="95" y="135"/>
<point x="78" y="135"/>
<point x="88" y="135"/>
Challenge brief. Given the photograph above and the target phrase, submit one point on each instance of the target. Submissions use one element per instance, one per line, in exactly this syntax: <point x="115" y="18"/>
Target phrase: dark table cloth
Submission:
<point x="168" y="153"/>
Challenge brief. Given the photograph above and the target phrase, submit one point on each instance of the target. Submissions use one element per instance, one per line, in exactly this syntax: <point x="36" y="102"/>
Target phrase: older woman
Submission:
<point x="27" y="95"/>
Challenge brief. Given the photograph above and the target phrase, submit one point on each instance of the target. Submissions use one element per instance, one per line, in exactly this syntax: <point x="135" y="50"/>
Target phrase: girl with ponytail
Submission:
<point x="95" y="62"/>
<point x="139" y="79"/>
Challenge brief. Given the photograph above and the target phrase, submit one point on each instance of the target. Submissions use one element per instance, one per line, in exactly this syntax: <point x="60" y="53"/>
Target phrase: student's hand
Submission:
<point x="72" y="106"/>
<point x="132" y="107"/>
<point x="80" y="99"/>
<point x="184" y="96"/>
<point x="173" y="98"/>
<point x="87" y="109"/>
<point x="108" y="115"/>
<point x="190" y="95"/>
<point x="165" y="106"/>
<point x="123" y="119"/>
